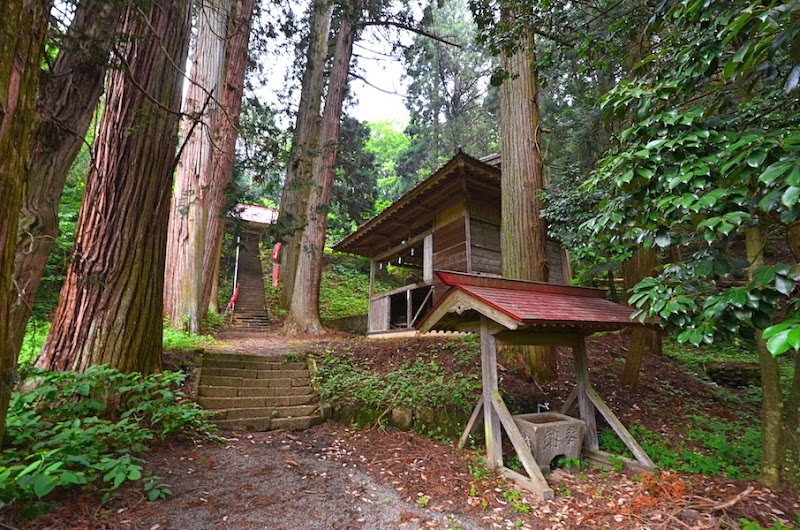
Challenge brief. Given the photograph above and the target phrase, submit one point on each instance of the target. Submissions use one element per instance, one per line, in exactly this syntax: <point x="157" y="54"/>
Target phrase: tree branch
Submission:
<point x="401" y="25"/>
<point x="385" y="91"/>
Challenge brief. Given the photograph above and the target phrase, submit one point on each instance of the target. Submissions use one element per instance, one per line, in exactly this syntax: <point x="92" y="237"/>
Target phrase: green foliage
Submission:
<point x="345" y="287"/>
<point x="727" y="449"/>
<point x="36" y="331"/>
<point x="356" y="173"/>
<point x="753" y="525"/>
<point x="411" y="385"/>
<point x="78" y="429"/>
<point x="449" y="99"/>
<point x="712" y="150"/>
<point x="514" y="498"/>
<point x="178" y="340"/>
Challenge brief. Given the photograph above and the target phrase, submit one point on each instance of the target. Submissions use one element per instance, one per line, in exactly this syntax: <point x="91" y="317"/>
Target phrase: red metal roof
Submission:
<point x="536" y="303"/>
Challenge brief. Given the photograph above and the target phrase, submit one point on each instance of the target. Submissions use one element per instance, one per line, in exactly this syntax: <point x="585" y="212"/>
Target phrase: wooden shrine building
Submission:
<point x="530" y="313"/>
<point x="450" y="221"/>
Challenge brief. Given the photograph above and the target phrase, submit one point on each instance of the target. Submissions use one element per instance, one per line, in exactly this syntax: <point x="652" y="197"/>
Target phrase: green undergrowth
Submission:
<point x="710" y="447"/>
<point x="421" y="383"/>
<point x="344" y="290"/>
<point x="177" y="340"/>
<point x="695" y="360"/>
<point x="174" y="340"/>
<point x="83" y="430"/>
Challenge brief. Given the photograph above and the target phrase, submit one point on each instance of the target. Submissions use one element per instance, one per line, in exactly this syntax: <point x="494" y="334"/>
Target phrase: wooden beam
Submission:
<point x="472" y="424"/>
<point x="491" y="422"/>
<point x="536" y="338"/>
<point x="540" y="486"/>
<point x="584" y="403"/>
<point x="402" y="289"/>
<point x="457" y="301"/>
<point x="620" y="429"/>
<point x="524" y="482"/>
<point x="569" y="402"/>
<point x="402" y="246"/>
<point x="604" y="459"/>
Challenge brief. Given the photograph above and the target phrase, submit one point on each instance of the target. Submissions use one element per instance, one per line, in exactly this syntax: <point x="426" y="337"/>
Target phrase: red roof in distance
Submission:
<point x="530" y="304"/>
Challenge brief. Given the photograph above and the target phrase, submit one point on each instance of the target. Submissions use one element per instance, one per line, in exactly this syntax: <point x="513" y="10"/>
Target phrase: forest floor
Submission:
<point x="336" y="477"/>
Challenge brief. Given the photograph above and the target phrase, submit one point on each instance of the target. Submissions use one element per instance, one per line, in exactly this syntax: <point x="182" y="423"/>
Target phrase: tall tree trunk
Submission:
<point x="23" y="26"/>
<point x="298" y="182"/>
<point x="68" y="96"/>
<point x="772" y="433"/>
<point x="523" y="238"/>
<point x="189" y="214"/>
<point x="634" y="270"/>
<point x="303" y="315"/>
<point x="110" y="307"/>
<point x="222" y="169"/>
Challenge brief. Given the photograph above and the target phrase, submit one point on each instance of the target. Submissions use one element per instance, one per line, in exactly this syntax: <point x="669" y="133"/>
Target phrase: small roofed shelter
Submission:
<point x="532" y="313"/>
<point x="449" y="221"/>
<point x="256" y="218"/>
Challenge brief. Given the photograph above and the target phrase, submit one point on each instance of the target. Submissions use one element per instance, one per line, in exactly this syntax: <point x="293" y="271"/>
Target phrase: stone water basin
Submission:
<point x="550" y="434"/>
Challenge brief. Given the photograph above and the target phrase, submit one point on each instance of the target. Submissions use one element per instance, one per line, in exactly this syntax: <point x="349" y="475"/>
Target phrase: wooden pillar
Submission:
<point x="491" y="421"/>
<point x="409" y="309"/>
<point x="372" y="270"/>
<point x="584" y="402"/>
<point x="427" y="259"/>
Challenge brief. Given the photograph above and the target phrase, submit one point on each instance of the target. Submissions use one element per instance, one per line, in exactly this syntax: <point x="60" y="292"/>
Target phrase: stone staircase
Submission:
<point x="251" y="307"/>
<point x="258" y="393"/>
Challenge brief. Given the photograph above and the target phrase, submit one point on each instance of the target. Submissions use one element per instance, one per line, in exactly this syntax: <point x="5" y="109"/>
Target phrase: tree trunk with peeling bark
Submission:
<point x="23" y="26"/>
<point x="189" y="214"/>
<point x="523" y="231"/>
<point x="69" y="93"/>
<point x="222" y="168"/>
<point x="303" y="315"/>
<point x="110" y="307"/>
<point x="298" y="182"/>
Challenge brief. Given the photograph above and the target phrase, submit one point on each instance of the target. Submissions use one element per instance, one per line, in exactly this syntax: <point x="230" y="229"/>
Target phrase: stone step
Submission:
<point x="247" y="402"/>
<point x="265" y="412"/>
<point x="266" y="423"/>
<point x="255" y="374"/>
<point x="248" y="357"/>
<point x="235" y="391"/>
<point x="252" y="365"/>
<point x="217" y="380"/>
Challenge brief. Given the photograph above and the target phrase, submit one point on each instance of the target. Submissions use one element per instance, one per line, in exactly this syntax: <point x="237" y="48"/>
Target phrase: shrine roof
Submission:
<point x="517" y="304"/>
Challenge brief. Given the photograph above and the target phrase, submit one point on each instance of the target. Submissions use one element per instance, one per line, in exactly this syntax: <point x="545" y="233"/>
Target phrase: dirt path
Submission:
<point x="277" y="480"/>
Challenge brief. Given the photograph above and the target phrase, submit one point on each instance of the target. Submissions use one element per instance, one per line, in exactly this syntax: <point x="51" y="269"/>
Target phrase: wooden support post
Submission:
<point x="620" y="429"/>
<point x="491" y="422"/>
<point x="472" y="424"/>
<point x="427" y="259"/>
<point x="584" y="403"/>
<point x="540" y="486"/>
<point x="409" y="309"/>
<point x="372" y="270"/>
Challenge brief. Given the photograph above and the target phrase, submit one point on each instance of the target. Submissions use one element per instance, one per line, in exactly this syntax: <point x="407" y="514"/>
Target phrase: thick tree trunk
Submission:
<point x="303" y="315"/>
<point x="523" y="238"/>
<point x="23" y="26"/>
<point x="637" y="268"/>
<point x="222" y="169"/>
<point x="189" y="214"/>
<point x="110" y="307"/>
<point x="298" y="182"/>
<point x="68" y="96"/>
